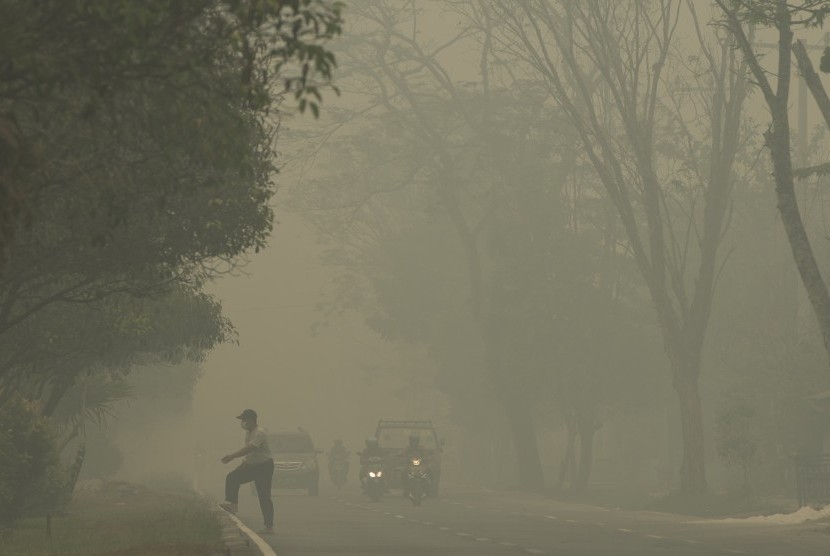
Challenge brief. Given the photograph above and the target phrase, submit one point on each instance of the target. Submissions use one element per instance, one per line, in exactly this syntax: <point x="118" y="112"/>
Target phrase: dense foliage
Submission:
<point x="32" y="477"/>
<point x="137" y="145"/>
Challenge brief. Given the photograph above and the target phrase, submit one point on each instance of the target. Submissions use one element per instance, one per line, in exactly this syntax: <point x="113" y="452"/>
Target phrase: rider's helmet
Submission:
<point x="371" y="442"/>
<point x="414" y="440"/>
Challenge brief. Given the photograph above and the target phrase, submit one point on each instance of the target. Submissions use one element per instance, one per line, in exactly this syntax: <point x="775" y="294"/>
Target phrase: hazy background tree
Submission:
<point x="785" y="19"/>
<point x="461" y="219"/>
<point x="609" y="65"/>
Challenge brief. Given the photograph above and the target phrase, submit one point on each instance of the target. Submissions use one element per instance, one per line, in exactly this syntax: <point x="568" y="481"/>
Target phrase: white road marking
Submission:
<point x="571" y="521"/>
<point x="263" y="546"/>
<point x="655" y="537"/>
<point x="399" y="516"/>
<point x="693" y="542"/>
<point x="551" y="517"/>
<point x="464" y="534"/>
<point x="482" y="539"/>
<point x="444" y="528"/>
<point x="624" y="530"/>
<point x="508" y="544"/>
<point x="734" y="551"/>
<point x="534" y="551"/>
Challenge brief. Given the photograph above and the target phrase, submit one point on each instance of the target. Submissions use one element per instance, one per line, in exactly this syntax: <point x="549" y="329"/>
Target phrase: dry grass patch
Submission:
<point x="113" y="522"/>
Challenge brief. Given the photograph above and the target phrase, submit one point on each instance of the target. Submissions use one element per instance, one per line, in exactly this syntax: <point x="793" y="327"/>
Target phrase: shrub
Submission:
<point x="737" y="442"/>
<point x="31" y="477"/>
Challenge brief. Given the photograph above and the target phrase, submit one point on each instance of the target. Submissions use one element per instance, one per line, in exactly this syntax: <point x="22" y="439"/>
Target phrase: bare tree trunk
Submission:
<point x="520" y="418"/>
<point x="587" y="423"/>
<point x="567" y="464"/>
<point x="527" y="449"/>
<point x="693" y="467"/>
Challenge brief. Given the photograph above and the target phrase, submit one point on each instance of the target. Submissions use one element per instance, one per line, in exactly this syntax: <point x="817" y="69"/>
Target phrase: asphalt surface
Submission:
<point x="470" y="521"/>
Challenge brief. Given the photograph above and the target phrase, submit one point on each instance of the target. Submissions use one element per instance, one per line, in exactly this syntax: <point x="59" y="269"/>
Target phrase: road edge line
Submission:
<point x="265" y="548"/>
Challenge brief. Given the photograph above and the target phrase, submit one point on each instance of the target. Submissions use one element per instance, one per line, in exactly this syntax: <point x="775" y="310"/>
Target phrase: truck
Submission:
<point x="393" y="437"/>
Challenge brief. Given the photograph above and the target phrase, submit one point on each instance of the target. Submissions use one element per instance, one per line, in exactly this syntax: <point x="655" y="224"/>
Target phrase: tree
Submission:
<point x="605" y="63"/>
<point x="49" y="66"/>
<point x="784" y="18"/>
<point x="452" y="208"/>
<point x="152" y="169"/>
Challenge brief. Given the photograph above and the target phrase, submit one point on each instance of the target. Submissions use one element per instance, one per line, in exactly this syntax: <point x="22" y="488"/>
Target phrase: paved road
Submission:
<point x="475" y="522"/>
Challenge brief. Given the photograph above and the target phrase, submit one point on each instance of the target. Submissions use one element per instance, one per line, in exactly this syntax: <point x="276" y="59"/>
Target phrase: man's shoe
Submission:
<point x="229" y="507"/>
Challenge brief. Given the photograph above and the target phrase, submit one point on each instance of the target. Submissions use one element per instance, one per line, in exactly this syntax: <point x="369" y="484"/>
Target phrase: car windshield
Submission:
<point x="290" y="443"/>
<point x="399" y="438"/>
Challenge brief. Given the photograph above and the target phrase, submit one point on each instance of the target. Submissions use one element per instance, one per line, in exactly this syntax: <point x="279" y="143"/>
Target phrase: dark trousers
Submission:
<point x="261" y="474"/>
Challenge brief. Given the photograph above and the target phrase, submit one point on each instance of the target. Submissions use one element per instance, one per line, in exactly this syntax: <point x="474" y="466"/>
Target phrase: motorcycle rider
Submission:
<point x="413" y="450"/>
<point x="372" y="450"/>
<point x="338" y="451"/>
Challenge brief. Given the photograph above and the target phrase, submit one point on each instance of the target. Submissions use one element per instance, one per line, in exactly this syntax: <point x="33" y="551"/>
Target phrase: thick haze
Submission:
<point x="570" y="257"/>
<point x="335" y="377"/>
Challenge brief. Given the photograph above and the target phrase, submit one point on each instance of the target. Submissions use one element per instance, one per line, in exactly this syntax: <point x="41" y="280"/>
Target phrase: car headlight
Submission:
<point x="379" y="474"/>
<point x="372" y="474"/>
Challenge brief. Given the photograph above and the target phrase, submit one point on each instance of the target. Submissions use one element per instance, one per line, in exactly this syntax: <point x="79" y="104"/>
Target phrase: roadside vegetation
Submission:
<point x="120" y="520"/>
<point x="137" y="163"/>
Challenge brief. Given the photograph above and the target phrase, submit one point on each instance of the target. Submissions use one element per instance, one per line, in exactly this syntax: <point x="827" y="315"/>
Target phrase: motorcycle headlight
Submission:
<point x="416" y="461"/>
<point x="372" y="474"/>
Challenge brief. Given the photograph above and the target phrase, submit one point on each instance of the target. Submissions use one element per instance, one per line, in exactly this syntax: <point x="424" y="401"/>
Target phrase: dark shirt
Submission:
<point x="368" y="453"/>
<point x="338" y="452"/>
<point x="409" y="452"/>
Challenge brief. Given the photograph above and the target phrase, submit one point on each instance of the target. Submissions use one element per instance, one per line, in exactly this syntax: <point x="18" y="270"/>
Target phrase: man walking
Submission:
<point x="257" y="466"/>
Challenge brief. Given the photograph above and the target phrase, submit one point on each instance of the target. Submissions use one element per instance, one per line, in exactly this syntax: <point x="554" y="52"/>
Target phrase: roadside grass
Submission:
<point x="721" y="504"/>
<point x="714" y="504"/>
<point x="111" y="523"/>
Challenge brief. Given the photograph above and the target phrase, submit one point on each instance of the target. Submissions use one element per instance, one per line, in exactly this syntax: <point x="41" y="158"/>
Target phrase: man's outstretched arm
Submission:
<point x="247" y="449"/>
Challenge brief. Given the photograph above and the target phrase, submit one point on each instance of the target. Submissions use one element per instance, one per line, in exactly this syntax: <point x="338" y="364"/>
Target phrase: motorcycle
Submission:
<point x="374" y="479"/>
<point x="338" y="471"/>
<point x="417" y="480"/>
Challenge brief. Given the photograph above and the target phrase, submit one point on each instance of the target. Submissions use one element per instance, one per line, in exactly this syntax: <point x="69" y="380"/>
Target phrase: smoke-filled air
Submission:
<point x="414" y="277"/>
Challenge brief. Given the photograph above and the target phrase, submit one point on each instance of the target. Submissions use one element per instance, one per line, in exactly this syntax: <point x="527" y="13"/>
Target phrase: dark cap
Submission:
<point x="247" y="414"/>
